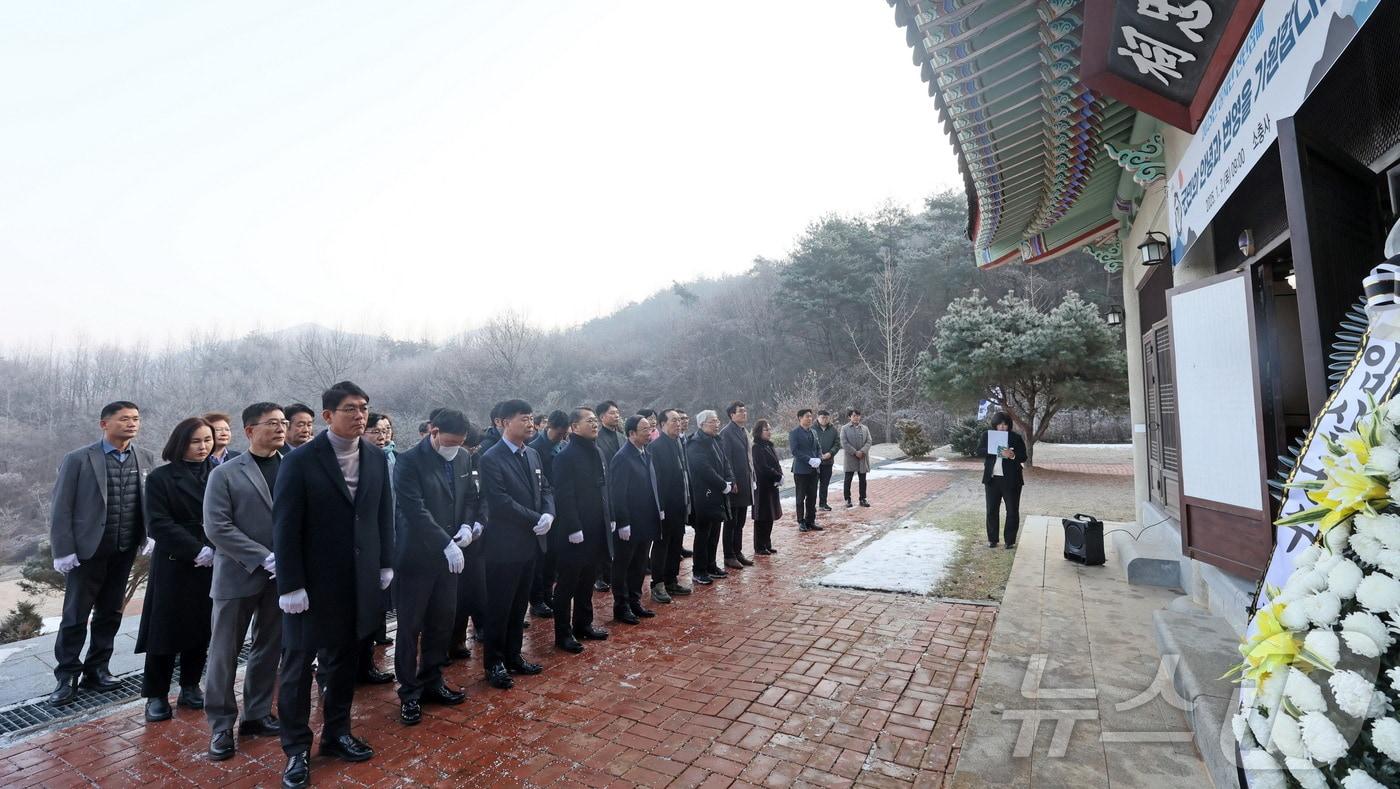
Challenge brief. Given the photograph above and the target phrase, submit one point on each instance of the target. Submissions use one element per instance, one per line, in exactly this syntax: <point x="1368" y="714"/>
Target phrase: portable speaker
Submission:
<point x="1083" y="539"/>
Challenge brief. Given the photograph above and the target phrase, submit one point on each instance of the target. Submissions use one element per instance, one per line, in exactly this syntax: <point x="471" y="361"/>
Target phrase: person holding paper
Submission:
<point x="1003" y="451"/>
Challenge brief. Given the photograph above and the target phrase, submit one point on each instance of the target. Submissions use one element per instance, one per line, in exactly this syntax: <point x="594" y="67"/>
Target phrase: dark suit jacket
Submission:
<point x="737" y="450"/>
<point x="634" y="495"/>
<point x="610" y="441"/>
<point x="668" y="456"/>
<point x="331" y="544"/>
<point x="547" y="449"/>
<point x="803" y="446"/>
<point x="581" y="503"/>
<point x="428" y="513"/>
<point x="709" y="476"/>
<point x="78" y="509"/>
<point x="515" y="501"/>
<point x="1010" y="469"/>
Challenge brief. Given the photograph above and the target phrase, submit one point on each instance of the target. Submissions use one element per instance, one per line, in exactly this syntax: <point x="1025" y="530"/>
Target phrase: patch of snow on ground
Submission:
<point x="904" y="560"/>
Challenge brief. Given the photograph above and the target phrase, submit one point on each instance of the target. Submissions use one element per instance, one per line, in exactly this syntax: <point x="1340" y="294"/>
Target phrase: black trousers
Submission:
<point x="734" y="528"/>
<point x="542" y="586"/>
<point x="507" y="599"/>
<point x="427" y="604"/>
<point x="847" y="487"/>
<point x="471" y="598"/>
<point x="573" y="596"/>
<point x="96" y="588"/>
<point x="337" y="668"/>
<point x="806" y="497"/>
<point x="707" y="536"/>
<point x="998" y="491"/>
<point x="762" y="535"/>
<point x="823" y="481"/>
<point x="629" y="567"/>
<point x="666" y="552"/>
<point x="160" y="669"/>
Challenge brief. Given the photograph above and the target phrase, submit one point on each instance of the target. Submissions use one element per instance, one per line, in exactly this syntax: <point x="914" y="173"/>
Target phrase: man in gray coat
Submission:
<point x="98" y="524"/>
<point x="855" y="454"/>
<point x="238" y="522"/>
<point x="738" y="450"/>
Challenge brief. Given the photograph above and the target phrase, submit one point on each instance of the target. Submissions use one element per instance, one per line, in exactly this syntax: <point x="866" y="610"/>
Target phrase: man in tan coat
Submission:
<point x="855" y="454"/>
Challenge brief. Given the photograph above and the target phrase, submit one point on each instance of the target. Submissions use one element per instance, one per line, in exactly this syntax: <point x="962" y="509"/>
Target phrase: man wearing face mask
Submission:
<point x="434" y="505"/>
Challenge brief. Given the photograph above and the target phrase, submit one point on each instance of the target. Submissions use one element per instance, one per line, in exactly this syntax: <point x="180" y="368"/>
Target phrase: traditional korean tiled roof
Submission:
<point x="1028" y="133"/>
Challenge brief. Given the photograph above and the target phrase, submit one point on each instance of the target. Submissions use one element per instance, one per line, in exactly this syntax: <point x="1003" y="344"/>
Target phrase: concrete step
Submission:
<point x="1154" y="557"/>
<point x="1206" y="648"/>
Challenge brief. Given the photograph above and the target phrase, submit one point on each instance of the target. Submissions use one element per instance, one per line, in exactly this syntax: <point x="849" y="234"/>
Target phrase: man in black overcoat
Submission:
<point x="673" y="483"/>
<point x="636" y="509"/>
<point x="333" y="536"/>
<point x="581" y="537"/>
<point x="519" y="513"/>
<point x="549" y="441"/>
<point x="434" y="506"/>
<point x="734" y="440"/>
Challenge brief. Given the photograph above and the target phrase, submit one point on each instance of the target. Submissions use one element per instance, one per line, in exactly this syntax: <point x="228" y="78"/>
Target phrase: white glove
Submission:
<point x="663" y="515"/>
<point x="270" y="564"/>
<point x="66" y="564"/>
<point x="205" y="557"/>
<point x="542" y="528"/>
<point x="576" y="537"/>
<point x="814" y="462"/>
<point x="477" y="528"/>
<point x="294" y="602"/>
<point x="464" y="537"/>
<point x="625" y="533"/>
<point x="455" y="560"/>
<point x="386" y="577"/>
<point x="150" y="546"/>
<point x="612" y="526"/>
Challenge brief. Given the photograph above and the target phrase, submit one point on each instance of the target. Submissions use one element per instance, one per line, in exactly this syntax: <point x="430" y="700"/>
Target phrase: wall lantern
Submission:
<point x="1153" y="249"/>
<point x="1246" y="243"/>
<point x="1115" y="316"/>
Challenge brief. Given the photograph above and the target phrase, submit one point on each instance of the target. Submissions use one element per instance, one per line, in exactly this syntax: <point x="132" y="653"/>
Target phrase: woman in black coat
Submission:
<point x="768" y="475"/>
<point x="1001" y="476"/>
<point x="175" y="615"/>
<point x="710" y="483"/>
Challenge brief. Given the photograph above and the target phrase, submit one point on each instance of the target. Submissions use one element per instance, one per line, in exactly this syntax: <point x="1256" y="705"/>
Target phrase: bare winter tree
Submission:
<point x="509" y="344"/>
<point x="893" y="363"/>
<point x="324" y="356"/>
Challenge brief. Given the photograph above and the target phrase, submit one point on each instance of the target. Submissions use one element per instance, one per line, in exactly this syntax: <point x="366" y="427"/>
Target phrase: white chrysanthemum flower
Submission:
<point x="1295" y="613"/>
<point x="1324" y="743"/>
<point x="1303" y="692"/>
<point x="1365" y="634"/>
<point x="1366" y="547"/>
<point x="1262" y="771"/>
<point x="1303" y="770"/>
<point x="1360" y="779"/>
<point x="1384" y="528"/>
<point x="1322" y="608"/>
<point x="1259" y="725"/>
<point x="1324" y="644"/>
<point x="1344" y="578"/>
<point x="1307" y="558"/>
<point x="1239" y="724"/>
<point x="1380" y="705"/>
<point x="1385" y="460"/>
<point x="1352" y="691"/>
<point x="1336" y="538"/>
<point x="1378" y="593"/>
<point x="1286" y="737"/>
<point x="1268" y="694"/>
<point x="1394" y="675"/>
<point x="1394" y="490"/>
<point x="1389" y="561"/>
<point x="1305" y="582"/>
<point x="1385" y="734"/>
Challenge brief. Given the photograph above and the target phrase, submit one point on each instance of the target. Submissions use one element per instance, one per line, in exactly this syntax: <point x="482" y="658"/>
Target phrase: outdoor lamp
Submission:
<point x="1153" y="249"/>
<point x="1114" y="316"/>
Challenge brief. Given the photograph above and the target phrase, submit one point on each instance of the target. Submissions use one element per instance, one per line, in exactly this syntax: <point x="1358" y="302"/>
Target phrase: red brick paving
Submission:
<point x="759" y="680"/>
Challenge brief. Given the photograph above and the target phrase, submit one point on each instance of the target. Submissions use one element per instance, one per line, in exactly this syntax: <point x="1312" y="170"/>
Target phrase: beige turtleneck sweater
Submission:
<point x="347" y="453"/>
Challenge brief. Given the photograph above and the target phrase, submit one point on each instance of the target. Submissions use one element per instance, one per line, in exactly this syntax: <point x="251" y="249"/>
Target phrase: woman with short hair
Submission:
<point x="768" y="476"/>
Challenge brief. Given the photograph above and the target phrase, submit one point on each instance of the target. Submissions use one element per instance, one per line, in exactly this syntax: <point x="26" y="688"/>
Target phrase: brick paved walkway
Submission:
<point x="757" y="680"/>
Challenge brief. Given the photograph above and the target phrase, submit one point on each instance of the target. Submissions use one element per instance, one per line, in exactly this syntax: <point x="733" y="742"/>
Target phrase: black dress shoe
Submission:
<point x="347" y="747"/>
<point x="66" y="691"/>
<point x="701" y="578"/>
<point x="645" y="613"/>
<point x="677" y="589"/>
<point x="373" y="676"/>
<point x="459" y="652"/>
<point x="523" y="666"/>
<point x="601" y="586"/>
<point x="1010" y="545"/>
<point x="297" y="773"/>
<point x="803" y="527"/>
<point x="100" y="679"/>
<point x="625" y="616"/>
<point x="265" y="725"/>
<point x="744" y="560"/>
<point x="499" y="678"/>
<point x="191" y="698"/>
<point x="771" y="550"/>
<point x="410" y="713"/>
<point x="850" y="504"/>
<point x="814" y="527"/>
<point x="991" y="544"/>
<point x="569" y="644"/>
<point x="441" y="694"/>
<point x="716" y="572"/>
<point x="542" y="610"/>
<point x="686" y="553"/>
<point x="157" y="709"/>
<point x="864" y="503"/>
<point x="824" y="508"/>
<point x="222" y="745"/>
<point x="591" y="633"/>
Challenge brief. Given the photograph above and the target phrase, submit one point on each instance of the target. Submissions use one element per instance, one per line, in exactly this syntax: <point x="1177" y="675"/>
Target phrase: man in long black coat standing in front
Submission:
<point x="673" y="483"/>
<point x="519" y="513"/>
<point x="581" y="537"/>
<point x="636" y="508"/>
<point x="333" y="536"/>
<point x="734" y="440"/>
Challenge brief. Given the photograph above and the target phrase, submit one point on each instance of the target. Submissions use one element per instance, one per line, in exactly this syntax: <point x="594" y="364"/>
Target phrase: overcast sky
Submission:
<point x="172" y="165"/>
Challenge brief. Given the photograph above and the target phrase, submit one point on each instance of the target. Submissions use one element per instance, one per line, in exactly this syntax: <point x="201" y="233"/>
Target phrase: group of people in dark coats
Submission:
<point x="293" y="544"/>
